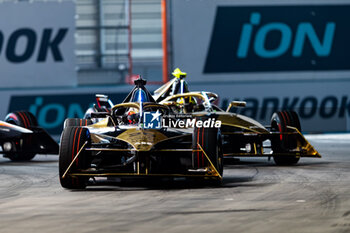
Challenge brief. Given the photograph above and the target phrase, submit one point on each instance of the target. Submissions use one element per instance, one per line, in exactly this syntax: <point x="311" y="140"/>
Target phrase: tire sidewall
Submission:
<point x="72" y="140"/>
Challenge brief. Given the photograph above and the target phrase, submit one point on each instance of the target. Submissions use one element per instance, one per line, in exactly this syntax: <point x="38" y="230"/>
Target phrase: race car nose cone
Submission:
<point x="7" y="146"/>
<point x="142" y="140"/>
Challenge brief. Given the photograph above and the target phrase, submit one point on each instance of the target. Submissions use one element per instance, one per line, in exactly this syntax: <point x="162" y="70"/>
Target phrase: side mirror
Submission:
<point x="236" y="104"/>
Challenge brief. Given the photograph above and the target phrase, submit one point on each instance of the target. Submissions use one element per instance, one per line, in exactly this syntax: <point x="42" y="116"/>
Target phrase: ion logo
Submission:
<point x="52" y="110"/>
<point x="152" y="120"/>
<point x="304" y="31"/>
<point x="247" y="39"/>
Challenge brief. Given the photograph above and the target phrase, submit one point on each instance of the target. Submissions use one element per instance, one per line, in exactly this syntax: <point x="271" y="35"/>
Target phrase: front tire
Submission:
<point x="72" y="140"/>
<point x="211" y="142"/>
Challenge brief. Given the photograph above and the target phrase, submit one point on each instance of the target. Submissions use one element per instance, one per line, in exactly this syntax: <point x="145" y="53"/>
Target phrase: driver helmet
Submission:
<point x="133" y="116"/>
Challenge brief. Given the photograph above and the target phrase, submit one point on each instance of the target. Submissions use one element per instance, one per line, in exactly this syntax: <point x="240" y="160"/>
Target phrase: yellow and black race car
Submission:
<point x="21" y="138"/>
<point x="242" y="136"/>
<point x="133" y="140"/>
<point x="141" y="137"/>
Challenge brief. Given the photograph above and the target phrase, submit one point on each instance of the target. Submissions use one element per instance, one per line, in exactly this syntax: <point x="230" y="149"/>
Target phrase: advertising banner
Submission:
<point x="273" y="54"/>
<point x="260" y="40"/>
<point x="37" y="44"/>
<point x="52" y="110"/>
<point x="320" y="108"/>
<point x="51" y="106"/>
<point x="279" y="38"/>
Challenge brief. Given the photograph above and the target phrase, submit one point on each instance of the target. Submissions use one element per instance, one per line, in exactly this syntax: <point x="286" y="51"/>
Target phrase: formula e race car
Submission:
<point x="241" y="136"/>
<point x="21" y="138"/>
<point x="130" y="142"/>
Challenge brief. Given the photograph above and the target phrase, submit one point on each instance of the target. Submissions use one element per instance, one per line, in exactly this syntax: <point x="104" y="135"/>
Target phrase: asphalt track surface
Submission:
<point x="256" y="196"/>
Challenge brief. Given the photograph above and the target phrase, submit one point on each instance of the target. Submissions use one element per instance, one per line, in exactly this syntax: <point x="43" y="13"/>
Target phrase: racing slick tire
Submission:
<point x="279" y="122"/>
<point x="211" y="141"/>
<point x="72" y="140"/>
<point x="76" y="122"/>
<point x="26" y="120"/>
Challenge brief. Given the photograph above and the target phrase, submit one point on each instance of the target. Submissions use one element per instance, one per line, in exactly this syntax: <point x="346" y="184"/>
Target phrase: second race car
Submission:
<point x="242" y="136"/>
<point x="21" y="138"/>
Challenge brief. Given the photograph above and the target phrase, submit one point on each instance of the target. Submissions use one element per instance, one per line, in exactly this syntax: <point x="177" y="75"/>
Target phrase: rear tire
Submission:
<point x="211" y="142"/>
<point x="72" y="139"/>
<point x="279" y="122"/>
<point x="76" y="122"/>
<point x="26" y="120"/>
